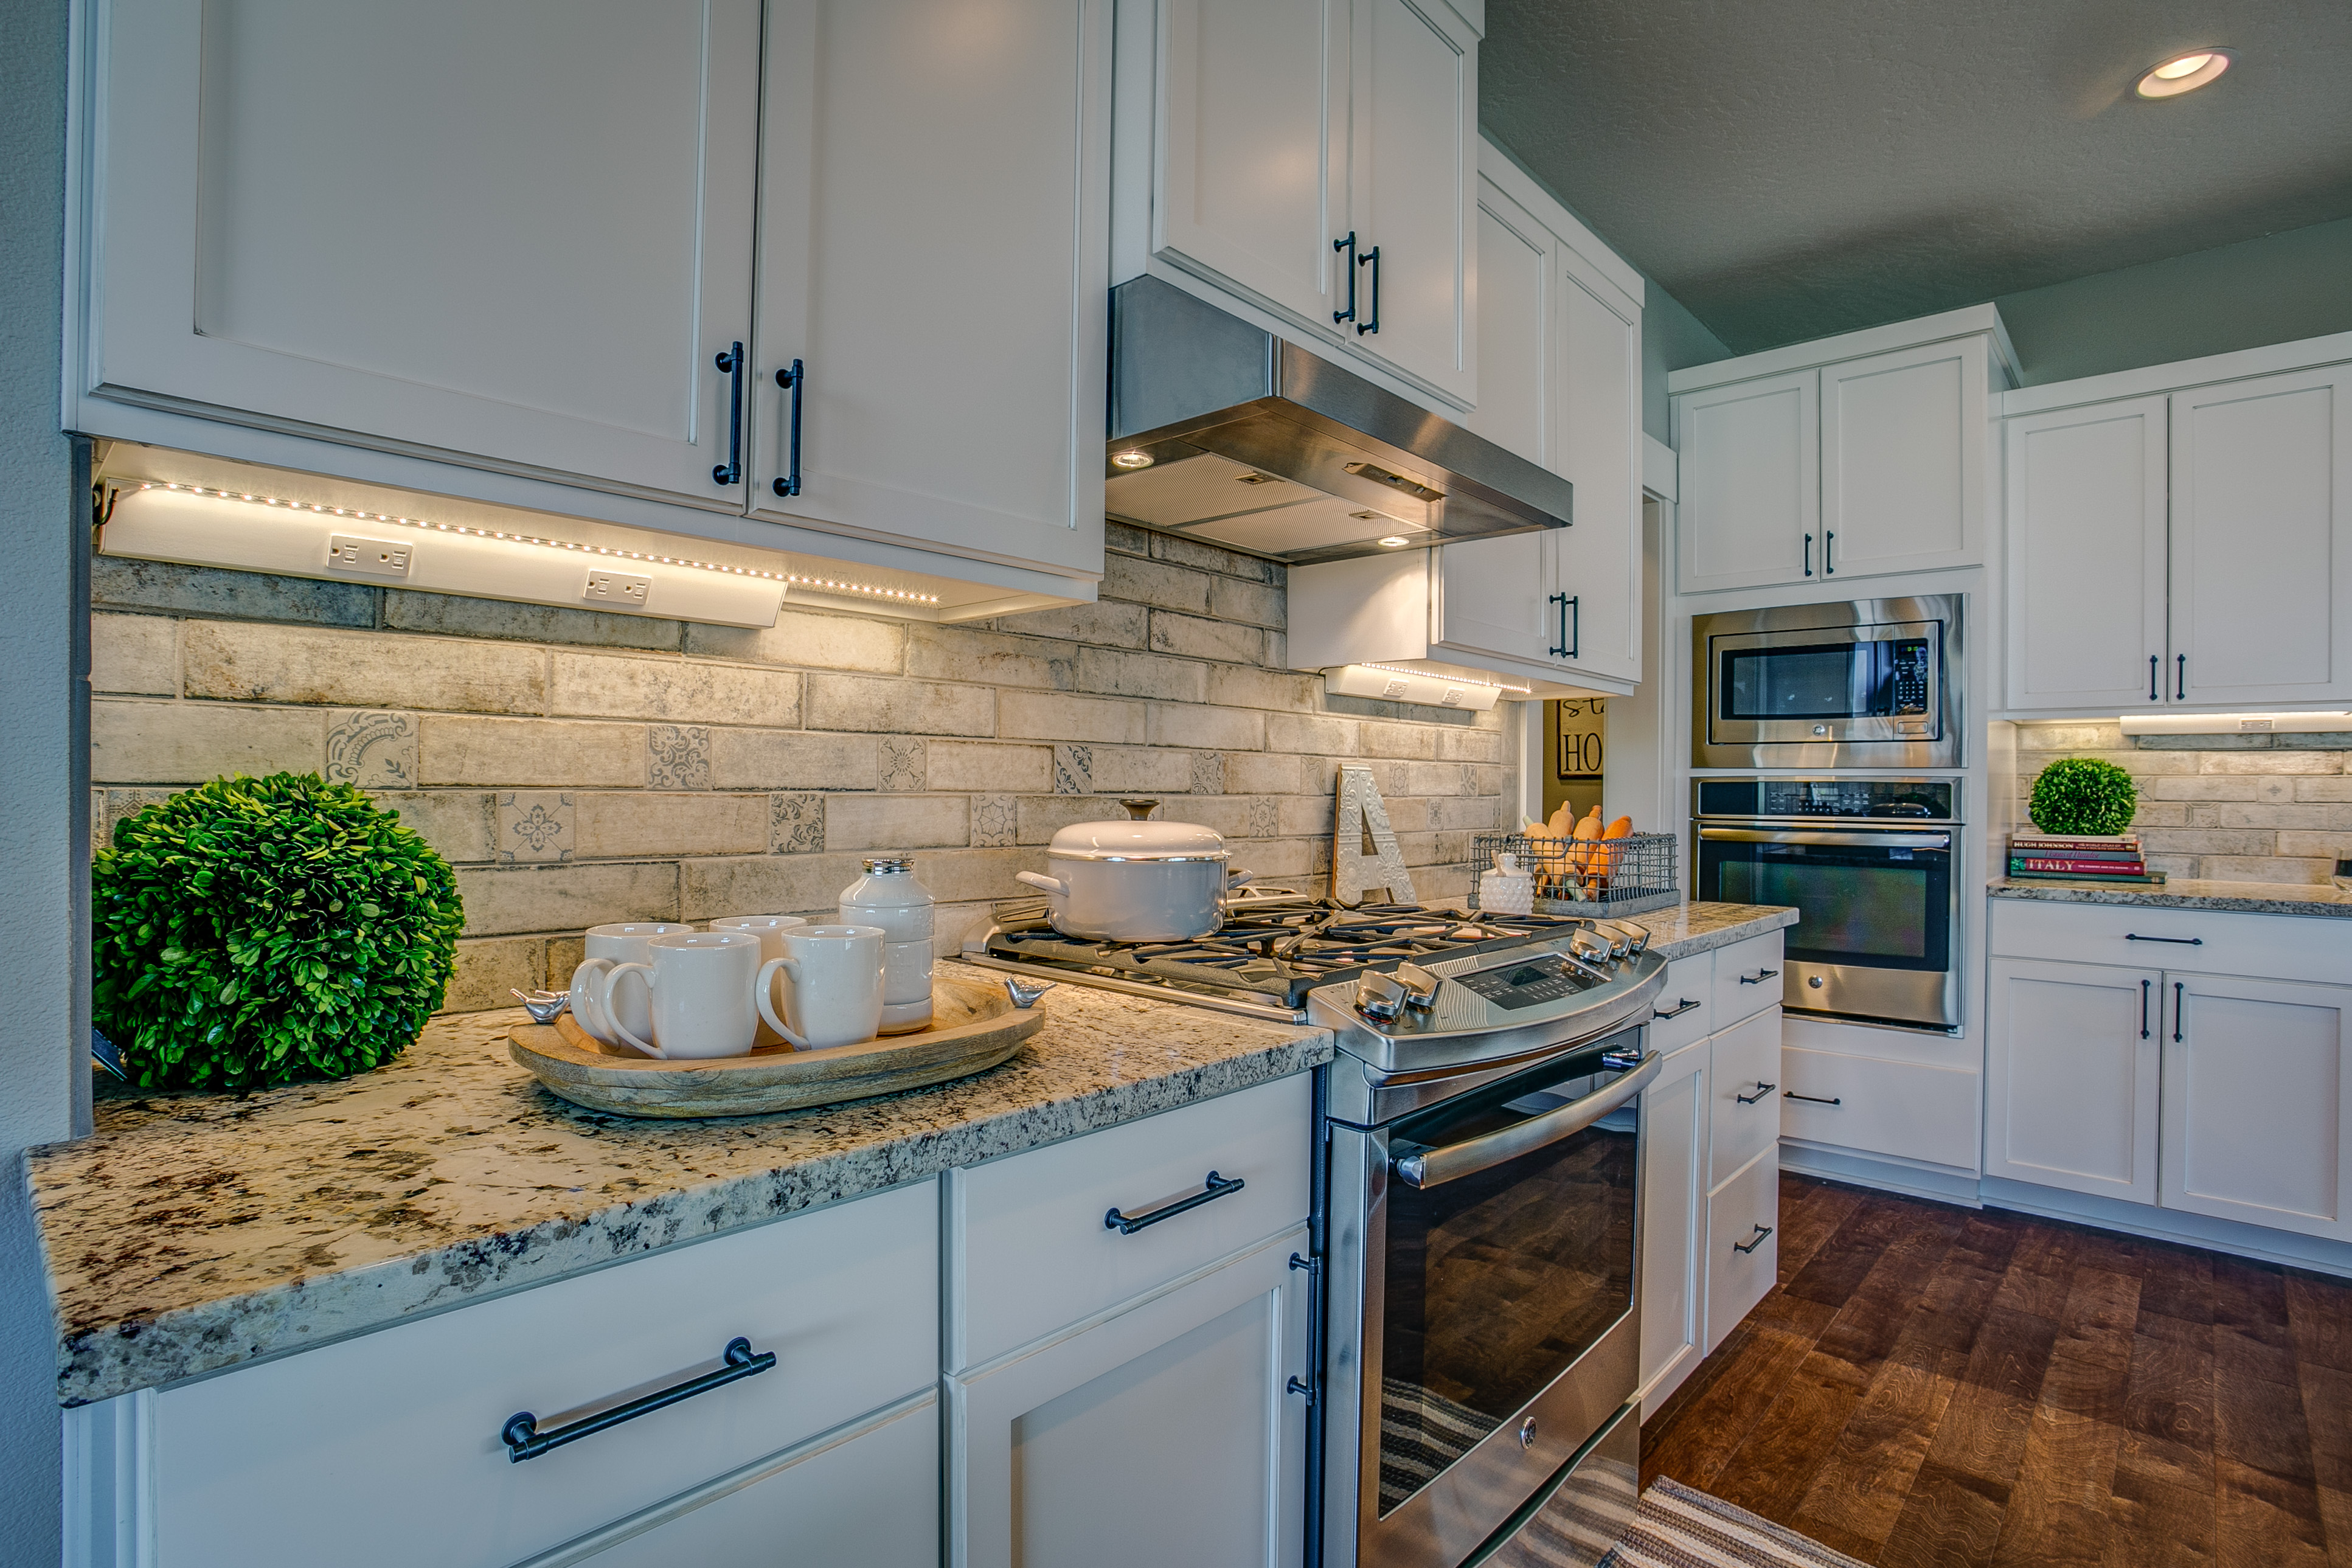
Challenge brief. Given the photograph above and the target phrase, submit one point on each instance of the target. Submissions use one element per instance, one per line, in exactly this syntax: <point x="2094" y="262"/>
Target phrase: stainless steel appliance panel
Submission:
<point x="1875" y="683"/>
<point x="1583" y="1512"/>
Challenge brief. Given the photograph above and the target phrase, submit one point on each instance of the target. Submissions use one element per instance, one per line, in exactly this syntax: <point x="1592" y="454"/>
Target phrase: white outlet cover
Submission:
<point x="623" y="588"/>
<point x="368" y="557"/>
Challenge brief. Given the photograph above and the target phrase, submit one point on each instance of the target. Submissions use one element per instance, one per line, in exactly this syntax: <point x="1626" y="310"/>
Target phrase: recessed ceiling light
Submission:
<point x="1132" y="459"/>
<point x="1395" y="541"/>
<point x="2184" y="73"/>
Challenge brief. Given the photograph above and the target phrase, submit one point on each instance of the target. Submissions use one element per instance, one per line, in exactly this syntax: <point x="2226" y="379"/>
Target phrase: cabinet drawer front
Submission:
<point x="2269" y="947"/>
<point x="1033" y="1245"/>
<point x="1686" y="1009"/>
<point x="1741" y="985"/>
<point x="1745" y="1116"/>
<point x="1884" y="1107"/>
<point x="1744" y="1212"/>
<point x="384" y="1449"/>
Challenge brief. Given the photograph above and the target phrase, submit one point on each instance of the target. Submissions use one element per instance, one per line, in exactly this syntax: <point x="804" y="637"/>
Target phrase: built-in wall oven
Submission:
<point x="1869" y="862"/>
<point x="1863" y="683"/>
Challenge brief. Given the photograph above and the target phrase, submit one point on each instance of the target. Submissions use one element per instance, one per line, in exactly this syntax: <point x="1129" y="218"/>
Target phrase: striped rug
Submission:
<point x="1677" y="1527"/>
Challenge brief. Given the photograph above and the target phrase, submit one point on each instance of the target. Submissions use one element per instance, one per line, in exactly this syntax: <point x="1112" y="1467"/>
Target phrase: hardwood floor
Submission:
<point x="1936" y="1385"/>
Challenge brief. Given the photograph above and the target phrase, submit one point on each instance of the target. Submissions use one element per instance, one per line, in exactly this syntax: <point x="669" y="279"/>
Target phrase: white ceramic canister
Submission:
<point x="1507" y="890"/>
<point x="891" y="898"/>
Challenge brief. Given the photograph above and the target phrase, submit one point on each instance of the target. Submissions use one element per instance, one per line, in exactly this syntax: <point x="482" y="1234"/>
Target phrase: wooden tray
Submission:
<point x="974" y="1027"/>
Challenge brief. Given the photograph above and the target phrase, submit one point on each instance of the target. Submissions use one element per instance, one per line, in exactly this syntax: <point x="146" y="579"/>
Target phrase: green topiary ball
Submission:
<point x="251" y="932"/>
<point x="2083" y="796"/>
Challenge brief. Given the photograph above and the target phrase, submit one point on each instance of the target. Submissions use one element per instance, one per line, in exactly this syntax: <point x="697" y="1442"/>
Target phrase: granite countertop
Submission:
<point x="2188" y="893"/>
<point x="197" y="1231"/>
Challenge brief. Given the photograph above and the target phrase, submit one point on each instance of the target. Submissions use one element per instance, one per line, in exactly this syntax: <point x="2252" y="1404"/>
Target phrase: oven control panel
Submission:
<point x="1914" y="668"/>
<point x="1544" y="978"/>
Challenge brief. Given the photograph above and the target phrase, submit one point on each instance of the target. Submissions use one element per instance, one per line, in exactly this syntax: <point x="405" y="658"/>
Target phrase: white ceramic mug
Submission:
<point x="769" y="930"/>
<point x="697" y="985"/>
<point x="605" y="946"/>
<point x="835" y="995"/>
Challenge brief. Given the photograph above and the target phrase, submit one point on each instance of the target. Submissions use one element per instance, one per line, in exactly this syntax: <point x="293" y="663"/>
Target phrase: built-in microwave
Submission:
<point x="1867" y="683"/>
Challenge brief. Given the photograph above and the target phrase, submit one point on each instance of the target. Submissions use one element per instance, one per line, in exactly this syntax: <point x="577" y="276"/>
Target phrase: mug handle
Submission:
<point x="584" y="997"/>
<point x="764" y="987"/>
<point x="612" y="983"/>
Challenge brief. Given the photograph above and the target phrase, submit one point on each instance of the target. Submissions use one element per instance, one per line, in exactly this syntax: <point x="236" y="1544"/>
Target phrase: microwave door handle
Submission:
<point x="1811" y="836"/>
<point x="1430" y="1167"/>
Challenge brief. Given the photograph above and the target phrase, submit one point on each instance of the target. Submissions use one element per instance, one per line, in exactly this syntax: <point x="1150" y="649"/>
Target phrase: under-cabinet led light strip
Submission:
<point x="1449" y="680"/>
<point x="828" y="584"/>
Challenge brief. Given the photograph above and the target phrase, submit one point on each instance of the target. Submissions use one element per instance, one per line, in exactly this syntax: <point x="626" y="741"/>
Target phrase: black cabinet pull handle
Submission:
<point x="2176" y="940"/>
<point x="524" y="1440"/>
<point x="2153" y="694"/>
<point x="1372" y="258"/>
<point x="1758" y="978"/>
<point x="1753" y="1242"/>
<point x="731" y="471"/>
<point x="2143" y="1007"/>
<point x="1348" y="246"/>
<point x="2181" y="679"/>
<point x="1812" y="1098"/>
<point x="1570" y="641"/>
<point x="793" y="380"/>
<point x="1809" y="555"/>
<point x="2178" y="987"/>
<point x="1687" y="1006"/>
<point x="1128" y="1225"/>
<point x="1829" y="552"/>
<point x="1762" y="1089"/>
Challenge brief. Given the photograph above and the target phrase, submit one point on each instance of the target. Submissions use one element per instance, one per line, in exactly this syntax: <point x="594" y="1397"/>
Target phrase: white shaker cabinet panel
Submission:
<point x="1597" y="435"/>
<point x="2087" y="559"/>
<point x="934" y="252"/>
<point x="2262" y="540"/>
<point x="1674" y="1219"/>
<point x="1743" y="1218"/>
<point x="1495" y="597"/>
<point x="1518" y="261"/>
<point x="512" y="235"/>
<point x="1902" y="460"/>
<point x="2258" y="1103"/>
<point x="2071" y="1060"/>
<point x="1751" y="482"/>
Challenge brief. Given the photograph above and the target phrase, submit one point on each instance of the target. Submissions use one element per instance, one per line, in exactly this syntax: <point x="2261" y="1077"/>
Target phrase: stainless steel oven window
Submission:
<point x="1881" y="901"/>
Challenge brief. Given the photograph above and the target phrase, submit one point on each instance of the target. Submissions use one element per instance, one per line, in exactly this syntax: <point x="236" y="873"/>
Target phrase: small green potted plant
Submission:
<point x="2082" y="796"/>
<point x="251" y="932"/>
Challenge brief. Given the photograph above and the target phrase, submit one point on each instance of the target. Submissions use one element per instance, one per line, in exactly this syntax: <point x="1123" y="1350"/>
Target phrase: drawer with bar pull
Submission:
<point x="2201" y="942"/>
<point x="1747" y="978"/>
<point x="1745" y="1119"/>
<point x="1684" y="1010"/>
<point x="1911" y="1109"/>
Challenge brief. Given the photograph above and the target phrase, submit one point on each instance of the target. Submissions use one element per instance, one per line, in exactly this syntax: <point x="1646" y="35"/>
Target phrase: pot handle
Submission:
<point x="1038" y="879"/>
<point x="1236" y="879"/>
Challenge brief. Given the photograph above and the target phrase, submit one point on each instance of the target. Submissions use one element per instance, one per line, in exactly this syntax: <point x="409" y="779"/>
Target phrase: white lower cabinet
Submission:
<point x="1743" y="1252"/>
<point x="1674" y="1190"/>
<point x="2073" y="1055"/>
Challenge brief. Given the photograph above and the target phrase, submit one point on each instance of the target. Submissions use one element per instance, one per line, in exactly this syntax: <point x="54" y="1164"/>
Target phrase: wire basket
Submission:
<point x="1590" y="876"/>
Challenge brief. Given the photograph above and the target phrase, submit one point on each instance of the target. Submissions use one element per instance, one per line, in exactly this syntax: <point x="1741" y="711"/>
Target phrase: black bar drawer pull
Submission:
<point x="1829" y="552"/>
<point x="524" y="1440"/>
<point x="1128" y="1225"/>
<point x="794" y="380"/>
<point x="1753" y="1242"/>
<point x="1762" y="1089"/>
<point x="1570" y="641"/>
<point x="2178" y="987"/>
<point x="1758" y="978"/>
<point x="2181" y="679"/>
<point x="1809" y="555"/>
<point x="2153" y="695"/>
<point x="2176" y="940"/>
<point x="731" y="471"/>
<point x="1372" y="258"/>
<point x="2143" y="1007"/>
<point x="1687" y="1006"/>
<point x="1348" y="247"/>
<point x="1811" y="1099"/>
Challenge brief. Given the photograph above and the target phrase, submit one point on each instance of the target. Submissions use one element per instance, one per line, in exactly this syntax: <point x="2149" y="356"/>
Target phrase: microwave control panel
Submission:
<point x="1914" y="669"/>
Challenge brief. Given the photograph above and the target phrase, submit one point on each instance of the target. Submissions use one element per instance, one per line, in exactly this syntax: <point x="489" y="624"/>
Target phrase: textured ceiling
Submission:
<point x="1790" y="168"/>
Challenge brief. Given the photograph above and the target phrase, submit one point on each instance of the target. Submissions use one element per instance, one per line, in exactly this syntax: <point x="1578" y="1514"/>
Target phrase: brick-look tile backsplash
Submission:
<point x="2244" y="808"/>
<point x="579" y="767"/>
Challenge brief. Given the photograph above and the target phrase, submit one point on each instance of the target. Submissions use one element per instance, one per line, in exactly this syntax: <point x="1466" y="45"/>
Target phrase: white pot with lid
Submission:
<point x="1136" y="880"/>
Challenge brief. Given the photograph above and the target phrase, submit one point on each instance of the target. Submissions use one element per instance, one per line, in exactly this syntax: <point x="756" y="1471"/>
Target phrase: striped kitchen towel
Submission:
<point x="1678" y="1526"/>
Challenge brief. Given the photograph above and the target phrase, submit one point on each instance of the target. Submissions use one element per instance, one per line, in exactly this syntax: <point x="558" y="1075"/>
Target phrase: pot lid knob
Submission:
<point x="1140" y="809"/>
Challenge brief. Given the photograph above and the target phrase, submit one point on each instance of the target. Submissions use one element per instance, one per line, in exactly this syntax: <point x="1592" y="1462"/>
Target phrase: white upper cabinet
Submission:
<point x="2262" y="540"/>
<point x="516" y="235"/>
<point x="1316" y="159"/>
<point x="1598" y="341"/>
<point x="933" y="252"/>
<point x="1902" y="460"/>
<point x="1751" y="482"/>
<point x="2087" y="556"/>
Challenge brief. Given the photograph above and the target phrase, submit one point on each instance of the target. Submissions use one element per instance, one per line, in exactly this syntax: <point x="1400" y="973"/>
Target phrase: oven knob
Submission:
<point x="1527" y="1433"/>
<point x="1814" y="980"/>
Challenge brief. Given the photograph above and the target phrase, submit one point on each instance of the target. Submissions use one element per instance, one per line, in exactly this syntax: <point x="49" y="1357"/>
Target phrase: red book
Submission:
<point x="2059" y="865"/>
<point x="2038" y="843"/>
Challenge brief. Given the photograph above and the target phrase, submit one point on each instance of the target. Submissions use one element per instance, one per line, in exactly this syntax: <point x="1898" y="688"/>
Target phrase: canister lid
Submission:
<point x="889" y="865"/>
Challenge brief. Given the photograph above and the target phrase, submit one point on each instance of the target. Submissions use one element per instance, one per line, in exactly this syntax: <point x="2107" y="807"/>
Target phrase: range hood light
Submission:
<point x="1132" y="459"/>
<point x="1395" y="541"/>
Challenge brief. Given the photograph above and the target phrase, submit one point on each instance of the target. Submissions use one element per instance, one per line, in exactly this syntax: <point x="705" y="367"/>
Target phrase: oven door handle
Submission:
<point x="1431" y="1167"/>
<point x="1809" y="836"/>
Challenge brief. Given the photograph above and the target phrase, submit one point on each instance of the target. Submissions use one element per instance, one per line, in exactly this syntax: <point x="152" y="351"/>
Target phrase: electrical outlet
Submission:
<point x="368" y="557"/>
<point x="617" y="588"/>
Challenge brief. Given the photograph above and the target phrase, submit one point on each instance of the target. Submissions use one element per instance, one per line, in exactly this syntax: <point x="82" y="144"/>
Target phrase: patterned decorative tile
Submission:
<point x="796" y="823"/>
<point x="679" y="756"/>
<point x="1074" y="770"/>
<point x="99" y="837"/>
<point x="1208" y="773"/>
<point x="904" y="762"/>
<point x="993" y="821"/>
<point x="1264" y="819"/>
<point x="372" y="749"/>
<point x="535" y="826"/>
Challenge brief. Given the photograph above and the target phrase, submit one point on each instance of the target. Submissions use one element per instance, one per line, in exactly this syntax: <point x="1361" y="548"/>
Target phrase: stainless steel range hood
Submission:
<point x="1226" y="433"/>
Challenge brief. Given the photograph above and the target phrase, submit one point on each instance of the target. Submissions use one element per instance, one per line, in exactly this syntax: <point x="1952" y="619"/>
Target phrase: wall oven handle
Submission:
<point x="1430" y="1167"/>
<point x="1810" y="836"/>
<point x="1215" y="1187"/>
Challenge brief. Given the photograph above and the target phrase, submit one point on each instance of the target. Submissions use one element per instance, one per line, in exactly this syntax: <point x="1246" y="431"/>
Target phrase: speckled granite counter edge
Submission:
<point x="2323" y="903"/>
<point x="275" y="1320"/>
<point x="1754" y="920"/>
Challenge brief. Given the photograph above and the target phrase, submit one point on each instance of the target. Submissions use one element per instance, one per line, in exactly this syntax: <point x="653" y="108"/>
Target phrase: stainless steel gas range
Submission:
<point x="1478" y="1239"/>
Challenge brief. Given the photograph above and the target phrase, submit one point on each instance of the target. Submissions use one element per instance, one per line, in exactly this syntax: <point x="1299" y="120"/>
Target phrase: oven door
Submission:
<point x="1878" y="934"/>
<point x="1878" y="687"/>
<point x="1497" y="1321"/>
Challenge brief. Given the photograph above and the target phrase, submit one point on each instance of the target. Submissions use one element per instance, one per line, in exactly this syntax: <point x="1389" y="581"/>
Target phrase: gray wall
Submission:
<point x="43" y="918"/>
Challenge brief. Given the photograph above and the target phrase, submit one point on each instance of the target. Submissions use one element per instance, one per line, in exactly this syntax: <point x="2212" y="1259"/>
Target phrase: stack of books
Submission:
<point x="2078" y="858"/>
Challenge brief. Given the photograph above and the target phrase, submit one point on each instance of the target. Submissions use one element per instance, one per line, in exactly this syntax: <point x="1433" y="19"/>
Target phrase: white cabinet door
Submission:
<point x="2085" y="523"/>
<point x="512" y="235"/>
<point x="1161" y="1437"/>
<point x="1247" y="193"/>
<point x="1743" y="1223"/>
<point x="1597" y="434"/>
<point x="1902" y="460"/>
<point x="1495" y="595"/>
<point x="2072" y="1058"/>
<point x="934" y="253"/>
<point x="2258" y="1103"/>
<point x="1412" y="163"/>
<point x="2262" y="540"/>
<point x="1751" y="482"/>
<point x="1518" y="267"/>
<point x="1674" y="1220"/>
